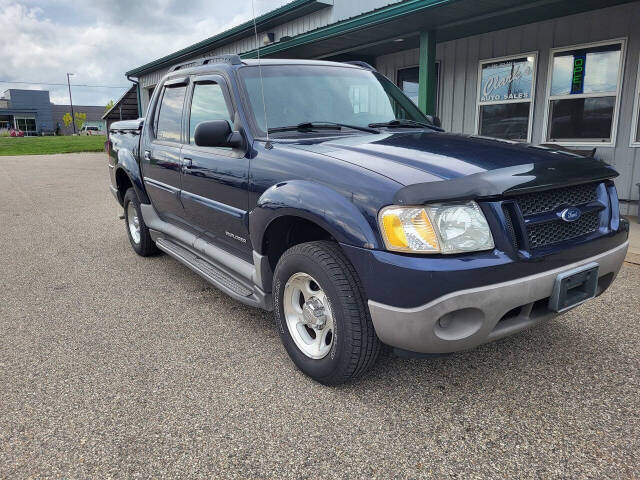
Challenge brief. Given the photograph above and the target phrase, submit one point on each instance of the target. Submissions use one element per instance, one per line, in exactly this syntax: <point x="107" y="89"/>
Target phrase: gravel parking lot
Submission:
<point x="112" y="365"/>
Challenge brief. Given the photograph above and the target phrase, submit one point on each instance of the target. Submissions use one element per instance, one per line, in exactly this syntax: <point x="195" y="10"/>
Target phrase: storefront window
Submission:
<point x="505" y="97"/>
<point x="409" y="81"/>
<point x="26" y="124"/>
<point x="583" y="95"/>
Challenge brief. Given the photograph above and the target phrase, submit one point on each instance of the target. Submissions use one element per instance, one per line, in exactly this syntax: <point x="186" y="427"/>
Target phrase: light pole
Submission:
<point x="73" y="117"/>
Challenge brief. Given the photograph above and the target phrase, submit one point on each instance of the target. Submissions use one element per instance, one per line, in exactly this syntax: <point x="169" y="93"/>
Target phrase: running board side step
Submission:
<point x="214" y="275"/>
<point x="234" y="276"/>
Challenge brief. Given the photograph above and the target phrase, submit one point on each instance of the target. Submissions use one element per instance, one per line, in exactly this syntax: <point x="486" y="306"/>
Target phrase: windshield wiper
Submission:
<point x="404" y="122"/>
<point x="306" y="126"/>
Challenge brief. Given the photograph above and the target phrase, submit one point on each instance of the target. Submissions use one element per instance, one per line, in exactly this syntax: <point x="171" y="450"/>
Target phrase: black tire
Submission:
<point x="355" y="346"/>
<point x="145" y="247"/>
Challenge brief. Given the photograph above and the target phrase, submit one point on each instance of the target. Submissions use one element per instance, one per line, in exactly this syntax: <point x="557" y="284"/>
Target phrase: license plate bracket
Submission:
<point x="574" y="287"/>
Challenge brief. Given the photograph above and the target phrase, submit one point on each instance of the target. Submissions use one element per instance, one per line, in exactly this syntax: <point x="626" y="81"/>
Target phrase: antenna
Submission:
<point x="264" y="104"/>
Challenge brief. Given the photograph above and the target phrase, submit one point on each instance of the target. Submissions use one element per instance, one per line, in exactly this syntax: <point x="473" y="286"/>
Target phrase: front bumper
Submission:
<point x="467" y="318"/>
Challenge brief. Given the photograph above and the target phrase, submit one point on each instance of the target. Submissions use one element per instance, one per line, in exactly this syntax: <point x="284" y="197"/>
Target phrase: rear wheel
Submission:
<point x="321" y="313"/>
<point x="139" y="235"/>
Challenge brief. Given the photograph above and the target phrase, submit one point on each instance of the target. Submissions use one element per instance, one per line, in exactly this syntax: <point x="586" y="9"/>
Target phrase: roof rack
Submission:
<point x="360" y="63"/>
<point x="232" y="59"/>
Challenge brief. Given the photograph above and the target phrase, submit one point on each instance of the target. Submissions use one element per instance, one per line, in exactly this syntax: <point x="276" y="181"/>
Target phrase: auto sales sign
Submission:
<point x="509" y="80"/>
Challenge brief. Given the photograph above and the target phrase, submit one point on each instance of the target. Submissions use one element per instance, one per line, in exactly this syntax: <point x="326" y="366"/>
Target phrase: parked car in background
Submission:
<point x="91" y="130"/>
<point x="320" y="191"/>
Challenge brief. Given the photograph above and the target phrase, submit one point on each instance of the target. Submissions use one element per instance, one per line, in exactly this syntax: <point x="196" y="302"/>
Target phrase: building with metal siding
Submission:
<point x="94" y="117"/>
<point x="446" y="52"/>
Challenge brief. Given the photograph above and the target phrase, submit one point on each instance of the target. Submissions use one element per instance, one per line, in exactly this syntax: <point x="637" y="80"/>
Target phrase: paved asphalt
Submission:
<point x="112" y="365"/>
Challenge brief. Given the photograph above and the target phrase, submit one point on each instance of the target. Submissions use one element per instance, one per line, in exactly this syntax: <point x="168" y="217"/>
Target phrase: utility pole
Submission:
<point x="73" y="117"/>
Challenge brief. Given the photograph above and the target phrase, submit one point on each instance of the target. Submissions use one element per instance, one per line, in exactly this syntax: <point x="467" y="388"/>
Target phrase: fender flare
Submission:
<point x="314" y="202"/>
<point x="128" y="163"/>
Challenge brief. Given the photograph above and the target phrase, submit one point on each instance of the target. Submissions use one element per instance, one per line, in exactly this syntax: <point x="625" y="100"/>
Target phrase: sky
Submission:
<point x="99" y="40"/>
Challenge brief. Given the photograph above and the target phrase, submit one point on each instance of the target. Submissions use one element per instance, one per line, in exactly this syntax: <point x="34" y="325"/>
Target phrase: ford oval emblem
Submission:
<point x="570" y="214"/>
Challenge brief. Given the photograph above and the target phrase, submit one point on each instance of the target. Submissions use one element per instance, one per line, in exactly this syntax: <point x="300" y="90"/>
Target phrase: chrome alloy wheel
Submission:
<point x="134" y="222"/>
<point x="308" y="314"/>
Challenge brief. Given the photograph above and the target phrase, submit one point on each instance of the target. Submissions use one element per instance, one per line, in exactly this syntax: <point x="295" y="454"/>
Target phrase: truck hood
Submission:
<point x="473" y="166"/>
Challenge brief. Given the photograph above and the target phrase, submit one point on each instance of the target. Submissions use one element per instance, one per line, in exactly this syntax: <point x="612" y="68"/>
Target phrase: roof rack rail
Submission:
<point x="182" y="66"/>
<point x="233" y="59"/>
<point x="360" y="63"/>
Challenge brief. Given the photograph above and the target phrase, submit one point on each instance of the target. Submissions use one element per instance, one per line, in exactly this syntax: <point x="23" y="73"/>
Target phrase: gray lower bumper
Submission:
<point x="467" y="318"/>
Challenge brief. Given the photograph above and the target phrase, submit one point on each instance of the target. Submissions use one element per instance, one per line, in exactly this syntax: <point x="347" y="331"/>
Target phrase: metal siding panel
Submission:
<point x="561" y="32"/>
<point x="459" y="85"/>
<point x="499" y="41"/>
<point x="626" y="156"/>
<point x="545" y="41"/>
<point x="514" y="41"/>
<point x="448" y="70"/>
<point x="473" y="58"/>
<point x="529" y="37"/>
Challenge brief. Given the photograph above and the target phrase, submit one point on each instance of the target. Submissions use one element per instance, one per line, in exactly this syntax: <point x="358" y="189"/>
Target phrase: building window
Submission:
<point x="583" y="93"/>
<point x="26" y="124"/>
<point x="408" y="79"/>
<point x="635" y="131"/>
<point x="506" y="89"/>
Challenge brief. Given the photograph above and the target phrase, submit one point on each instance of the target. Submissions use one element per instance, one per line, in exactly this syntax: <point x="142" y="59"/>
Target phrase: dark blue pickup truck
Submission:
<point x="319" y="191"/>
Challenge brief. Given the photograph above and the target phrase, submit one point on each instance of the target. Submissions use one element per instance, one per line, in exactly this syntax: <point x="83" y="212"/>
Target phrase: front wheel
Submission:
<point x="321" y="313"/>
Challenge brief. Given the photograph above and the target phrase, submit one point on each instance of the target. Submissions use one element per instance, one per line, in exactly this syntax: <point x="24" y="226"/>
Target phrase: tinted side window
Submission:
<point x="170" y="115"/>
<point x="207" y="104"/>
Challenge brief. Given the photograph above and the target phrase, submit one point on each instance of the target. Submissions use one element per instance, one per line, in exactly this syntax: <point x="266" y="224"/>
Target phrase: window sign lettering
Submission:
<point x="593" y="70"/>
<point x="577" y="84"/>
<point x="583" y="97"/>
<point x="505" y="97"/>
<point x="510" y="80"/>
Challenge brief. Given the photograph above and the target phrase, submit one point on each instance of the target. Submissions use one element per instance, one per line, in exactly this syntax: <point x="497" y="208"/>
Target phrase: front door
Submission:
<point x="161" y="155"/>
<point x="214" y="180"/>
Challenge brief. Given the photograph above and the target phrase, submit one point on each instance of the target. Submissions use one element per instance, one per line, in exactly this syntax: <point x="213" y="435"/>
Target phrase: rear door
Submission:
<point x="214" y="180"/>
<point x="161" y="157"/>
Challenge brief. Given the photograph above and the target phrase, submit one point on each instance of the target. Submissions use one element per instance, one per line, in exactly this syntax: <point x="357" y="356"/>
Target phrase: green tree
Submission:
<point x="81" y="119"/>
<point x="67" y="119"/>
<point x="109" y="106"/>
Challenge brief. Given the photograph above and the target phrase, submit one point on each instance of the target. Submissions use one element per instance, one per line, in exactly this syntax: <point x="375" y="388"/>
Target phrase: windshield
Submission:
<point x="296" y="94"/>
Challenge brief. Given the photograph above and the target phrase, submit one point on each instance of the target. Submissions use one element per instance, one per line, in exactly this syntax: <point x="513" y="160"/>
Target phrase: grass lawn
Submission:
<point x="49" y="145"/>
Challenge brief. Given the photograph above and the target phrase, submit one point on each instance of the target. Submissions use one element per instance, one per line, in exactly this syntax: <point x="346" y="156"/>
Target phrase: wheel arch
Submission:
<point x="325" y="213"/>
<point x="128" y="175"/>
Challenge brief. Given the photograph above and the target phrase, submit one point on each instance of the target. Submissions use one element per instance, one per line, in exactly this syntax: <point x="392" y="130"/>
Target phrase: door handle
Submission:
<point x="186" y="163"/>
<point x="147" y="155"/>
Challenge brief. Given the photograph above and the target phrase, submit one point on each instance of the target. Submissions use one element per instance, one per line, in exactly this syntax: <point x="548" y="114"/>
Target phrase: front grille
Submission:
<point x="549" y="232"/>
<point x="510" y="228"/>
<point x="556" y="231"/>
<point x="549" y="200"/>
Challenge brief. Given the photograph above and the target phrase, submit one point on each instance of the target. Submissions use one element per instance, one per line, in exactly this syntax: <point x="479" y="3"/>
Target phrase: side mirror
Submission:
<point x="217" y="133"/>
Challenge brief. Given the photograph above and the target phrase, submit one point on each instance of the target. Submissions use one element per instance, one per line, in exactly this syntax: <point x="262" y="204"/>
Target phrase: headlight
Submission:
<point x="439" y="228"/>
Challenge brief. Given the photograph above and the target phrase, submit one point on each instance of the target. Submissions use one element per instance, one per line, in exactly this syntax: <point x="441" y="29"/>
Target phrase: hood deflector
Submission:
<point x="508" y="181"/>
